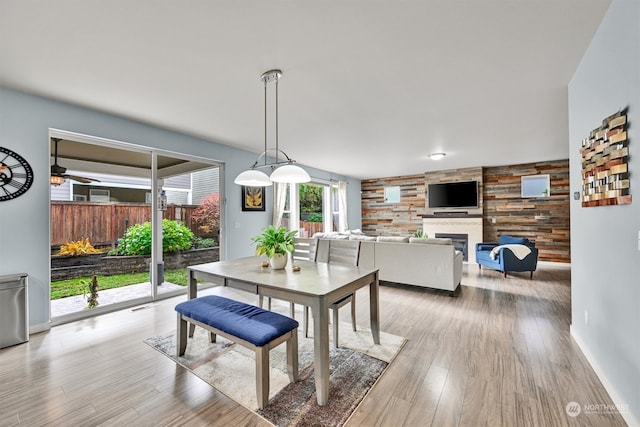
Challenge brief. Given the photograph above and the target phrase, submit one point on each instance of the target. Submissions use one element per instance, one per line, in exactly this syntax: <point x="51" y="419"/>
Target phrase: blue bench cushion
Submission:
<point x="241" y="320"/>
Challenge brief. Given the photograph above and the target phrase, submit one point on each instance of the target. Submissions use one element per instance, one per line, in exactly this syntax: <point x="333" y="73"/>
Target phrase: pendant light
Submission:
<point x="283" y="170"/>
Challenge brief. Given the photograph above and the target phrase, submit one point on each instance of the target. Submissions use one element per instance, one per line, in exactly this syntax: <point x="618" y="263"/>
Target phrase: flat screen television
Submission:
<point x="462" y="194"/>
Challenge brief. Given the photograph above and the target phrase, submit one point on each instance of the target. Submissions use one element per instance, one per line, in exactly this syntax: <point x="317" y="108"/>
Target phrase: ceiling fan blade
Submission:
<point x="82" y="179"/>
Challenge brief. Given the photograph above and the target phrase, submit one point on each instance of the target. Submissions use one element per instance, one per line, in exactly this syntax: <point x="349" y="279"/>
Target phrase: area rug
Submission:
<point x="354" y="369"/>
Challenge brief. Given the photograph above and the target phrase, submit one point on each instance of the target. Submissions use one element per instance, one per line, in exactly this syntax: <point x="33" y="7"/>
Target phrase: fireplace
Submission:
<point x="460" y="242"/>
<point x="471" y="225"/>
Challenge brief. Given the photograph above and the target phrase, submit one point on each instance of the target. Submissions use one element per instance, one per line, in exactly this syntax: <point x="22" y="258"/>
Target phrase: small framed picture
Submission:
<point x="252" y="198"/>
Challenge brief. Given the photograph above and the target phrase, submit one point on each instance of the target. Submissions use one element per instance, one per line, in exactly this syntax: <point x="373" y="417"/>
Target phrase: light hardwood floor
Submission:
<point x="499" y="353"/>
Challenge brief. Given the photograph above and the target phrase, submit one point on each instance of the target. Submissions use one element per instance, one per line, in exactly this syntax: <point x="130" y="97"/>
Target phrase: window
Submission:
<point x="535" y="186"/>
<point x="392" y="194"/>
<point x="314" y="207"/>
<point x="98" y="195"/>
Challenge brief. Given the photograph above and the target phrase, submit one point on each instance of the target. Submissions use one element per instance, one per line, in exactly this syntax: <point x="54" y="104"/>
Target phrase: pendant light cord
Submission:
<point x="265" y="121"/>
<point x="277" y="148"/>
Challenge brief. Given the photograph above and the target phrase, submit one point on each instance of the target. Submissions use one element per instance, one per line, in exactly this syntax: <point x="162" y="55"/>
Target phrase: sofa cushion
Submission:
<point x="362" y="237"/>
<point x="510" y="240"/>
<point x="333" y="235"/>
<point x="396" y="239"/>
<point x="436" y="241"/>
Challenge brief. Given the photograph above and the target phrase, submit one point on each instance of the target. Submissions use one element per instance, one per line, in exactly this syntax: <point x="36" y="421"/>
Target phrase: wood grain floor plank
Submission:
<point x="498" y="354"/>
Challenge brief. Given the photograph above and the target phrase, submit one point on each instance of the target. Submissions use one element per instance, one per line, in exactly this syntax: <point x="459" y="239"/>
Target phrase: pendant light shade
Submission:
<point x="290" y="173"/>
<point x="283" y="170"/>
<point x="253" y="178"/>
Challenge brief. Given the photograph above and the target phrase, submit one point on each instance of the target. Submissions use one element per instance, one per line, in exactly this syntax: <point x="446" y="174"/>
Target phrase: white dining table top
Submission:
<point x="313" y="278"/>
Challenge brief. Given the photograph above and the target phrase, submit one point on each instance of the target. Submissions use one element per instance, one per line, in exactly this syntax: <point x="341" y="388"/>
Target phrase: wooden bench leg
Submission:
<point x="181" y="336"/>
<point x="262" y="376"/>
<point x="292" y="356"/>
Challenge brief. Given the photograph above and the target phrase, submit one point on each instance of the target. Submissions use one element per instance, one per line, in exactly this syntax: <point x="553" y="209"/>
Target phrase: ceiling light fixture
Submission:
<point x="437" y="156"/>
<point x="283" y="170"/>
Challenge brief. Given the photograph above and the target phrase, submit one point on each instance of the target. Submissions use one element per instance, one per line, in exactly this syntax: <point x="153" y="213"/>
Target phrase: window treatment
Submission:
<point x="279" y="202"/>
<point x="342" y="206"/>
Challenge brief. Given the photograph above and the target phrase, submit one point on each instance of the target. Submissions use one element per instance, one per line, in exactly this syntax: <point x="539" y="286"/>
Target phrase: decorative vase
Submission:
<point x="278" y="261"/>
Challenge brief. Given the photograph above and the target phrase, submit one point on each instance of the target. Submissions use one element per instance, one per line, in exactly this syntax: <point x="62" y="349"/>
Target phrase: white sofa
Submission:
<point x="430" y="263"/>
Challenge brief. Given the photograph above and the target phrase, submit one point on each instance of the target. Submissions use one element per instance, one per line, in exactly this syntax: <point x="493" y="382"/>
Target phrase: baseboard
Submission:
<point x="555" y="264"/>
<point x="613" y="393"/>
<point x="34" y="329"/>
<point x="540" y="263"/>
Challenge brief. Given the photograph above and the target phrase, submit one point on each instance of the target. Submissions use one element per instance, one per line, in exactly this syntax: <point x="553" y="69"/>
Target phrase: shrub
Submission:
<point x="137" y="239"/>
<point x="207" y="214"/>
<point x="314" y="217"/>
<point x="79" y="247"/>
<point x="199" y="242"/>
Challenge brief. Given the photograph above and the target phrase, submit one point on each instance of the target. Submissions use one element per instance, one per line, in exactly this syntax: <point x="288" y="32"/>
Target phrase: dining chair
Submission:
<point x="305" y="249"/>
<point x="346" y="252"/>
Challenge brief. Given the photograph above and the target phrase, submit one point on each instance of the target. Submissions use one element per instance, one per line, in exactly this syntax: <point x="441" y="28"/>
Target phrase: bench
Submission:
<point x="247" y="325"/>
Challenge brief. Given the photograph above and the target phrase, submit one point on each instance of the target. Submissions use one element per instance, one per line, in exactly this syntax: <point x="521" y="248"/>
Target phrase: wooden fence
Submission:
<point x="105" y="223"/>
<point x="307" y="229"/>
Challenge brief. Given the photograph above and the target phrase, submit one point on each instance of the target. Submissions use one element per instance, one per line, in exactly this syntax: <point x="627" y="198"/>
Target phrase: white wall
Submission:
<point x="25" y="121"/>
<point x="605" y="260"/>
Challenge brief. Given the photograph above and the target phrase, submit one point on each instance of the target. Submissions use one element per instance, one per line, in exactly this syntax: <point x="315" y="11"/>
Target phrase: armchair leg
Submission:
<point x="531" y="276"/>
<point x="505" y="273"/>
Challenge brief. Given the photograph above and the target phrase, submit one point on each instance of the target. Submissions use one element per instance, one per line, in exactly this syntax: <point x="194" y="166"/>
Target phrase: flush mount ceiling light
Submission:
<point x="437" y="156"/>
<point x="283" y="170"/>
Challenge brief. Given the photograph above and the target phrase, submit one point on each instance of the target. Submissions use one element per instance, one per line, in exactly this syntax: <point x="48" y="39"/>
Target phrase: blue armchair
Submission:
<point x="504" y="258"/>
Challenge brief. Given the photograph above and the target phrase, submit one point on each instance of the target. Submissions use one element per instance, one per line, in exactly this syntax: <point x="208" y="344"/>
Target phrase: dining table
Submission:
<point x="314" y="284"/>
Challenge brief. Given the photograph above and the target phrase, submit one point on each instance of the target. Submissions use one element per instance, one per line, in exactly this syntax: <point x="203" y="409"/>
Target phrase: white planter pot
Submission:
<point x="278" y="261"/>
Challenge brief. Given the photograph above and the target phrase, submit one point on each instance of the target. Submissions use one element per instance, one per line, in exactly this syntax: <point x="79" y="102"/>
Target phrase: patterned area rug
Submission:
<point x="230" y="368"/>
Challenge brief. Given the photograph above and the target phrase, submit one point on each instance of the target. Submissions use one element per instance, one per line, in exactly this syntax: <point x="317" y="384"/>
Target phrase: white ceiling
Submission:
<point x="369" y="87"/>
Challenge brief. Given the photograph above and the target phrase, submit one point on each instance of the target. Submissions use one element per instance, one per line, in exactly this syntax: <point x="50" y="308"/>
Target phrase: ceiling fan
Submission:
<point x="58" y="173"/>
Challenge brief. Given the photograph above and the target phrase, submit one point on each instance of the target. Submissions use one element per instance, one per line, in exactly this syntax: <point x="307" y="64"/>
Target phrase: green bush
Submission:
<point x="314" y="217"/>
<point x="137" y="239"/>
<point x="199" y="242"/>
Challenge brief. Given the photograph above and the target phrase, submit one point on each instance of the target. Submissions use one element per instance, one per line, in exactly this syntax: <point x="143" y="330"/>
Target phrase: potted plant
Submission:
<point x="276" y="244"/>
<point x="420" y="234"/>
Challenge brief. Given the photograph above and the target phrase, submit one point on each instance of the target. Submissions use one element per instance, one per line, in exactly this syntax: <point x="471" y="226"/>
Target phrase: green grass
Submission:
<point x="79" y="286"/>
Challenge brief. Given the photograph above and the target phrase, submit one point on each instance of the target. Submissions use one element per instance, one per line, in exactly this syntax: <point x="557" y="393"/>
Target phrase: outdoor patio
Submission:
<point x="62" y="306"/>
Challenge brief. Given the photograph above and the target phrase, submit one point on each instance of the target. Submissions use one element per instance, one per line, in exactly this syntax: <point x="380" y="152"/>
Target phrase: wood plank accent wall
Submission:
<point x="393" y="219"/>
<point x="544" y="220"/>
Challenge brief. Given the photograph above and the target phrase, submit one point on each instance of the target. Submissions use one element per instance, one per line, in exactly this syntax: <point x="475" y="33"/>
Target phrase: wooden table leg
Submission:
<point x="320" y="311"/>
<point x="374" y="309"/>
